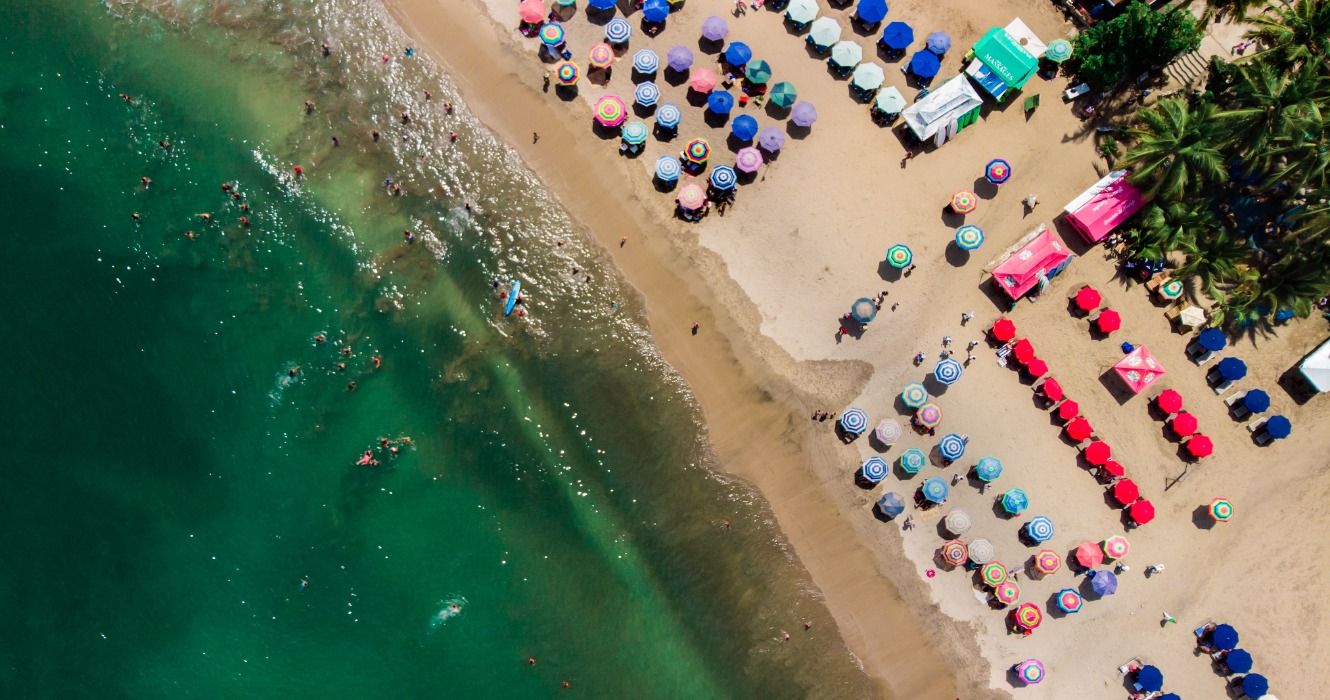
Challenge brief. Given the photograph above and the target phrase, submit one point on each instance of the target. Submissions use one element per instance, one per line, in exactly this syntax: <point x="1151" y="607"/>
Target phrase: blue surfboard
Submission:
<point x="512" y="297"/>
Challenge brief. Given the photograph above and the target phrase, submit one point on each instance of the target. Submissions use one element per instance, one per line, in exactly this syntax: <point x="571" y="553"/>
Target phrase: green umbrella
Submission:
<point x="783" y="94"/>
<point x="1058" y="50"/>
<point x="634" y="132"/>
<point x="758" y="71"/>
<point x="899" y="256"/>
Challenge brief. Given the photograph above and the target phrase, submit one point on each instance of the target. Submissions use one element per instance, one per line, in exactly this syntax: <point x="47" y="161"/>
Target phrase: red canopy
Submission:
<point x="1126" y="492"/>
<point x="1139" y="369"/>
<point x="1098" y="452"/>
<point x="1184" y="424"/>
<point x="1112" y="468"/>
<point x="1079" y="429"/>
<point x="1004" y="330"/>
<point x="1087" y="299"/>
<point x="1169" y="401"/>
<point x="1036" y="367"/>
<point x="1200" y="446"/>
<point x="1068" y="409"/>
<point x="1051" y="389"/>
<point x="1141" y="511"/>
<point x="1023" y="350"/>
<point x="1108" y="321"/>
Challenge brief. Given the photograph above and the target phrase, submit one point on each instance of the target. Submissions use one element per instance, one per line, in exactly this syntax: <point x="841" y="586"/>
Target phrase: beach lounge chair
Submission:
<point x="1234" y="398"/>
<point x="1256" y="425"/>
<point x="1133" y="664"/>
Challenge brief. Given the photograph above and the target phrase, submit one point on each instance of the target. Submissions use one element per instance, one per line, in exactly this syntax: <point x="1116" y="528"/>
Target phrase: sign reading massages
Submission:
<point x="1005" y="57"/>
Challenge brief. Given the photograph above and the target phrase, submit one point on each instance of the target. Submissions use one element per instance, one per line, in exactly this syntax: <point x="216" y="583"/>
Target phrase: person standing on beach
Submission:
<point x="696" y="327"/>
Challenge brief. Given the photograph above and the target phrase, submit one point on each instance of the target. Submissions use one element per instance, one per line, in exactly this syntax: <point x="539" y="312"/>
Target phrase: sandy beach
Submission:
<point x="768" y="282"/>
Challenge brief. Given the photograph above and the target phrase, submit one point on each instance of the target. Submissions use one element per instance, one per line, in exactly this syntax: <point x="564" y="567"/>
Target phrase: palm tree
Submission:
<point x="1230" y="10"/>
<point x="1302" y="157"/>
<point x="1177" y="148"/>
<point x="1294" y="31"/>
<point x="1174" y="226"/>
<point x="1272" y="105"/>
<point x="1218" y="262"/>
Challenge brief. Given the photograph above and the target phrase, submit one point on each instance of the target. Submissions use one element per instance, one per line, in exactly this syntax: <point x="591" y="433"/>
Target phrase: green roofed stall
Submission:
<point x="1001" y="63"/>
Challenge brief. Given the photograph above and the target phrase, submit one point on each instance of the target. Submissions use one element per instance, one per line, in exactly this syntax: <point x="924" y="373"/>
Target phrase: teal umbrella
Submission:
<point x="783" y="94"/>
<point x="846" y="54"/>
<point x="912" y="460"/>
<point x="635" y="132"/>
<point x="1058" y="50"/>
<point x="868" y="77"/>
<point x="758" y="72"/>
<point x="988" y="468"/>
<point x="890" y="100"/>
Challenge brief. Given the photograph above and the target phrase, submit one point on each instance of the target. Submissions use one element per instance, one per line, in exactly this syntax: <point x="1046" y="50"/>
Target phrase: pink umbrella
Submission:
<point x="702" y="80"/>
<point x="1139" y="369"/>
<point x="1089" y="555"/>
<point x="692" y="197"/>
<point x="748" y="160"/>
<point x="532" y="11"/>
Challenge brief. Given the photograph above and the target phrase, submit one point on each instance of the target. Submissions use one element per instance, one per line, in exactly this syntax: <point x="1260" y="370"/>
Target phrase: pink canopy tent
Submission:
<point x="1043" y="257"/>
<point x="1103" y="207"/>
<point x="1139" y="369"/>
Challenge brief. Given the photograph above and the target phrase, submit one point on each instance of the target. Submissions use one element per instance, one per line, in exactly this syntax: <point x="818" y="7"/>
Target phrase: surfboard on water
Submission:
<point x="512" y="297"/>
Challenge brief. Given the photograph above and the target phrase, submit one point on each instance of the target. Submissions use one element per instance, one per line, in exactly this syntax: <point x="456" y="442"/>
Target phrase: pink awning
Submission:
<point x="1021" y="271"/>
<point x="1139" y="369"/>
<point x="1103" y="207"/>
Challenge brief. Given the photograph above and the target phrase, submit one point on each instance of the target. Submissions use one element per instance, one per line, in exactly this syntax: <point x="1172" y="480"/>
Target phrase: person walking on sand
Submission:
<point x="546" y="86"/>
<point x="1168" y="618"/>
<point x="965" y="317"/>
<point x="1030" y="202"/>
<point x="696" y="327"/>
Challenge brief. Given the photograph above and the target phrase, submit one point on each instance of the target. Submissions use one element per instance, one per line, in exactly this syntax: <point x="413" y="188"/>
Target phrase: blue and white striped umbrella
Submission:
<point x="1015" y="501"/>
<point x="618" y="30"/>
<point x="935" y="490"/>
<point x="668" y="168"/>
<point x="951" y="447"/>
<point x="646" y="94"/>
<point x="668" y="116"/>
<point x="1039" y="529"/>
<point x="646" y="61"/>
<point x="988" y="468"/>
<point x="723" y="177"/>
<point x="854" y="420"/>
<point x="875" y="469"/>
<point x="947" y="371"/>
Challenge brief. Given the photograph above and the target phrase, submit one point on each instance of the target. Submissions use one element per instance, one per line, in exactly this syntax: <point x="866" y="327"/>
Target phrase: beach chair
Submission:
<point x="1198" y="354"/>
<point x="1002" y="354"/>
<point x="1031" y="104"/>
<point x="1256" y="425"/>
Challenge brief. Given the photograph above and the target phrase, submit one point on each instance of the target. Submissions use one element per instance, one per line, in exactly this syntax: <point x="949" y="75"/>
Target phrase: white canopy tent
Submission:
<point x="1026" y="38"/>
<point x="941" y="107"/>
<point x="1316" y="368"/>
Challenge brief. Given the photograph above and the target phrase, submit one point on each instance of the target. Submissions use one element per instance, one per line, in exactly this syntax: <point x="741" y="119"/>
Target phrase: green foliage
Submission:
<point x="1132" y="42"/>
<point x="1294" y="33"/>
<point x="1108" y="148"/>
<point x="1177" y="149"/>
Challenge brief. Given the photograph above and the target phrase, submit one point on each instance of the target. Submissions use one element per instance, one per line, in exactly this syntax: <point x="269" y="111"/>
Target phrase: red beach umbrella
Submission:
<point x="1036" y="367"/>
<point x="1087" y="299"/>
<point x="1108" y="321"/>
<point x="1068" y="409"/>
<point x="1098" y="452"/>
<point x="1126" y="492"/>
<point x="1079" y="430"/>
<point x="1112" y="468"/>
<point x="1004" y="330"/>
<point x="1169" y="401"/>
<point x="1200" y="446"/>
<point x="1141" y="512"/>
<point x="1051" y="389"/>
<point x="1089" y="555"/>
<point x="1184" y="424"/>
<point x="1023" y="350"/>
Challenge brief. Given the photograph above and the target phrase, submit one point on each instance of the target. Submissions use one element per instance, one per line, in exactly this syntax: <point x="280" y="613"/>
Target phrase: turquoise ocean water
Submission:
<point x="184" y="517"/>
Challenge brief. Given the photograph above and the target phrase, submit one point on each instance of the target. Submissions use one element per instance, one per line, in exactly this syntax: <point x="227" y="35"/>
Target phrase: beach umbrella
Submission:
<point x="1231" y="369"/>
<point x="1015" y="501"/>
<point x="938" y="43"/>
<point x="988" y="468"/>
<point x="1040" y="529"/>
<point x="1256" y="401"/>
<point x="1212" y="339"/>
<point x="969" y="237"/>
<point x="702" y="80"/>
<point x="1004" y="329"/>
<point x="951" y="447"/>
<point x="714" y="28"/>
<point x="1108" y="321"/>
<point x="997" y="171"/>
<point x="925" y="64"/>
<point x="1183" y="424"/>
<point x="1200" y="445"/>
<point x="1150" y="679"/>
<point x="1126" y="492"/>
<point x="757" y="72"/>
<point x="1238" y="661"/>
<point x="803" y="114"/>
<point x="1221" y="509"/>
<point x="802" y="11"/>
<point x="610" y="111"/>
<point x="981" y="551"/>
<point x="871" y="11"/>
<point x="957" y="522"/>
<point x="667" y="168"/>
<point x="934" y="490"/>
<point x="1278" y="427"/>
<point x="854" y="420"/>
<point x="1068" y="409"/>
<point x="668" y="116"/>
<point x="889" y="100"/>
<point x="993" y="573"/>
<point x="1029" y="616"/>
<point x="1007" y="592"/>
<point x="891" y="504"/>
<point x="964" y="202"/>
<point x="1089" y="555"/>
<point x="868" y="77"/>
<point x="874" y="469"/>
<point x="954" y="552"/>
<point x="600" y="55"/>
<point x="646" y="94"/>
<point x="1171" y="290"/>
<point x="1103" y="582"/>
<point x="1098" y="452"/>
<point x="824" y="32"/>
<point x="1023" y="350"/>
<point x="1079" y="430"/>
<point x="915" y="395"/>
<point x="1169" y="401"/>
<point x="1058" y="50"/>
<point x="846" y="54"/>
<point x="783" y="94"/>
<point x="738" y="54"/>
<point x="720" y="102"/>
<point x="1047" y="561"/>
<point x="771" y="139"/>
<point x="602" y="4"/>
<point x="912" y="460"/>
<point x="646" y="61"/>
<point x="1255" y="686"/>
<point x="551" y="34"/>
<point x="724" y="178"/>
<point x="929" y="415"/>
<point x="897" y="36"/>
<point x="1224" y="637"/>
<point x="899" y="256"/>
<point x="947" y="371"/>
<point x="1036" y="368"/>
<point x="679" y="58"/>
<point x="1112" y="468"/>
<point x="1051" y="389"/>
<point x="565" y="3"/>
<point x="655" y="10"/>
<point x="748" y="160"/>
<point x="618" y="30"/>
<point x="1116" y="547"/>
<point x="567" y="73"/>
<point x="1069" y="601"/>
<point x="531" y="11"/>
<point x="1088" y="298"/>
<point x="635" y="132"/>
<point x="1030" y="671"/>
<point x="1141" y="512"/>
<point x="863" y="310"/>
<point x="691" y="197"/>
<point x="888" y="432"/>
<point x="697" y="151"/>
<point x="744" y="127"/>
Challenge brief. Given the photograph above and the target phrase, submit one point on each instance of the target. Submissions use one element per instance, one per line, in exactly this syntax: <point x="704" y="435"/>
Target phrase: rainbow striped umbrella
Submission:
<point x="981" y="551"/>
<point x="912" y="460"/>
<point x="964" y="202"/>
<point x="635" y="132"/>
<point x="610" y="111"/>
<point x="618" y="30"/>
<point x="969" y="237"/>
<point x="1015" y="501"/>
<point x="1007" y="592"/>
<point x="692" y="197"/>
<point x="1068" y="600"/>
<point x="993" y="573"/>
<point x="954" y="552"/>
<point x="929" y="415"/>
<point x="697" y="151"/>
<point x="600" y="55"/>
<point x="1030" y="671"/>
<point x="1047" y="561"/>
<point x="723" y="178"/>
<point x="997" y="171"/>
<point x="748" y="160"/>
<point x="551" y="34"/>
<point x="914" y="395"/>
<point x="1116" y="547"/>
<point x="1029" y="616"/>
<point x="874" y="469"/>
<point x="567" y="73"/>
<point x="899" y="256"/>
<point x="935" y="490"/>
<point x="1221" y="510"/>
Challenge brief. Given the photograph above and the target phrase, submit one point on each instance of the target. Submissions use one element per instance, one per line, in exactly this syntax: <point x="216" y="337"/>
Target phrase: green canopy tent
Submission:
<point x="1001" y="63"/>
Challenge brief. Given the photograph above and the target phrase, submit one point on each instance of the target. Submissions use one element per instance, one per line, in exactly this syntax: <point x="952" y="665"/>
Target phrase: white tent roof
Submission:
<point x="1316" y="367"/>
<point x="1026" y="38"/>
<point x="950" y="100"/>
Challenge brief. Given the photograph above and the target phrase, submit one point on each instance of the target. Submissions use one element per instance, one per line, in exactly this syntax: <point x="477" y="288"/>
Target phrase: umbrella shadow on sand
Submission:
<point x="934" y="387"/>
<point x="706" y="45"/>
<point x="887" y="272"/>
<point x="734" y="143"/>
<point x="604" y="132"/>
<point x="715" y="120"/>
<point x="776" y="111"/>
<point x="797" y="132"/>
<point x="877" y="445"/>
<point x="598" y="17"/>
<point x="983" y="188"/>
<point x="695" y="98"/>
<point x="643" y="112"/>
<point x="675" y="77"/>
<point x="567" y="93"/>
<point x="663" y="186"/>
<point x="956" y="256"/>
<point x="1200" y="517"/>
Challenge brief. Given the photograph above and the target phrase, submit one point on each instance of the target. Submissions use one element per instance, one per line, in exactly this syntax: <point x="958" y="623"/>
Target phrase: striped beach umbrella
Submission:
<point x="988" y="468"/>
<point x="846" y="54"/>
<point x="891" y="504"/>
<point x="914" y="395"/>
<point x="854" y="420"/>
<point x="618" y="30"/>
<point x="951" y="447"/>
<point x="691" y="197"/>
<point x="964" y="202"/>
<point x="1047" y="562"/>
<point x="993" y="573"/>
<point x="610" y="111"/>
<point x="824" y="32"/>
<point x="646" y="61"/>
<point x="771" y="139"/>
<point x="957" y="522"/>
<point x="981" y="551"/>
<point x="928" y="415"/>
<point x="954" y="552"/>
<point x="551" y="34"/>
<point x="863" y="310"/>
<point x="635" y="132"/>
<point x="947" y="371"/>
<point x="888" y="432"/>
<point x="1029" y="616"/>
<point x="668" y="116"/>
<point x="724" y="178"/>
<point x="757" y="72"/>
<point x="600" y="55"/>
<point x="1007" y="592"/>
<point x="1116" y="547"/>
<point x="969" y="237"/>
<point x="1068" y="600"/>
<point x="668" y="168"/>
<point x="1015" y="501"/>
<point x="912" y="460"/>
<point x="1221" y="509"/>
<point x="1058" y="50"/>
<point x="567" y="73"/>
<point x="1171" y="289"/>
<point x="1030" y="671"/>
<point x="899" y="256"/>
<point x="1040" y="529"/>
<point x="868" y="77"/>
<point x="997" y="171"/>
<point x="697" y="151"/>
<point x="679" y="58"/>
<point x="748" y="160"/>
<point x="934" y="490"/>
<point x="802" y="11"/>
<point x="646" y="94"/>
<point x="783" y="94"/>
<point x="874" y="469"/>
